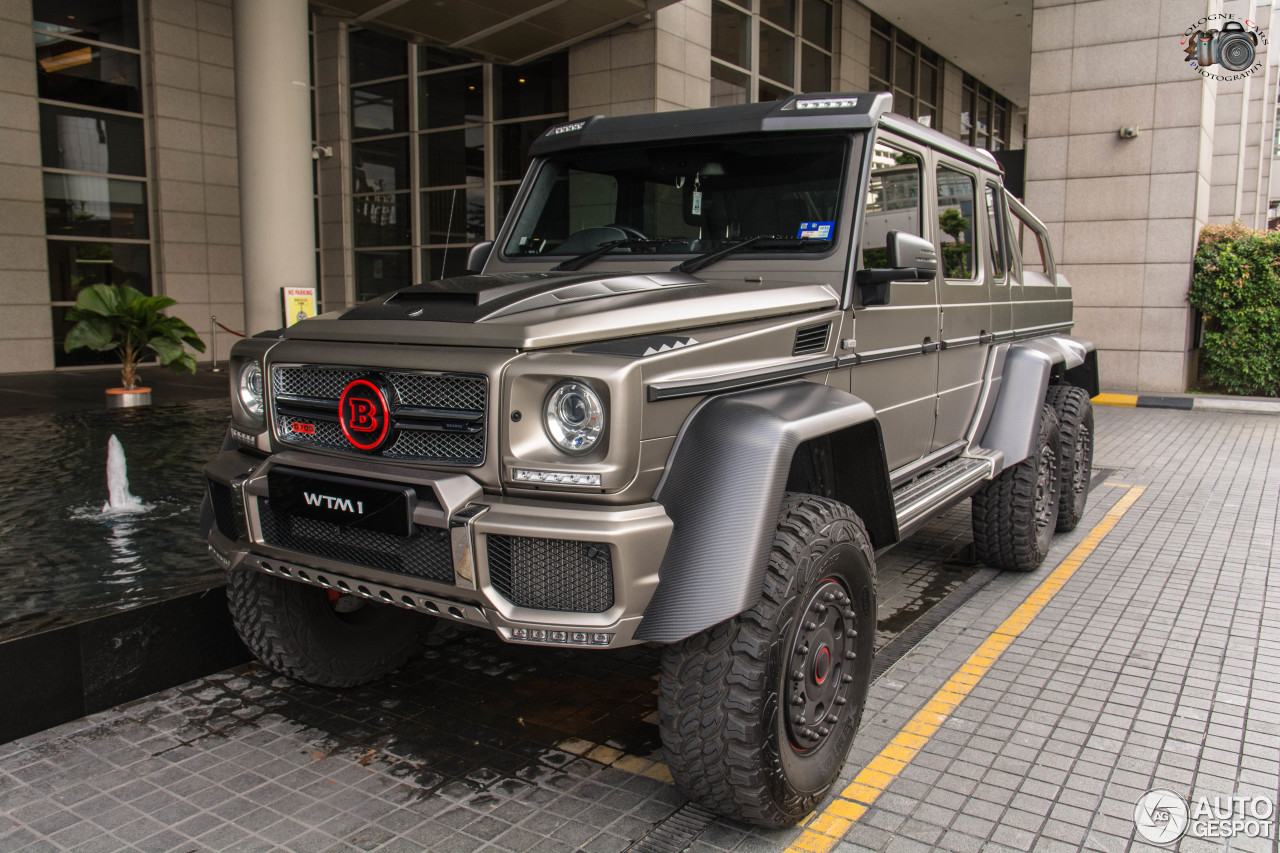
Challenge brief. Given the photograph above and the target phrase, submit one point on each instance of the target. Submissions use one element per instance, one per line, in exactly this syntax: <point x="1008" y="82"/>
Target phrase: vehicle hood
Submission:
<point x="545" y="309"/>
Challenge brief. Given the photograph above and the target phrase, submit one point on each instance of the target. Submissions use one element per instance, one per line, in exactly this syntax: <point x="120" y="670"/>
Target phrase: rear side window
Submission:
<point x="955" y="223"/>
<point x="1030" y="246"/>
<point x="995" y="220"/>
<point x="893" y="202"/>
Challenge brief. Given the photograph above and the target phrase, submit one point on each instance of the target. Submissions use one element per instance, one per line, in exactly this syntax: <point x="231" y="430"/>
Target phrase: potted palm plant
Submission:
<point x="118" y="317"/>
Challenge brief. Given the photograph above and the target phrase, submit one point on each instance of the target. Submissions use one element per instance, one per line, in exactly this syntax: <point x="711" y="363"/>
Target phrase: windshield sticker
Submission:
<point x="697" y="203"/>
<point x="816" y="230"/>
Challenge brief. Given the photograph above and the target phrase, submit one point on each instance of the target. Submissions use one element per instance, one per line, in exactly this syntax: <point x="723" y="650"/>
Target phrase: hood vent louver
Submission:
<point x="811" y="339"/>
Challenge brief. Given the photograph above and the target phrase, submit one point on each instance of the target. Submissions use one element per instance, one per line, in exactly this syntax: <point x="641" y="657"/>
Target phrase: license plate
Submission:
<point x="383" y="507"/>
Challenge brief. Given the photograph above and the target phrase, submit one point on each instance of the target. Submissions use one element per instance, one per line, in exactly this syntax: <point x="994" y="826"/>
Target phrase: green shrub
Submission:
<point x="1236" y="287"/>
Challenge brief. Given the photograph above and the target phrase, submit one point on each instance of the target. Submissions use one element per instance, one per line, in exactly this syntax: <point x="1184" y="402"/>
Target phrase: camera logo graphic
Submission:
<point x="1233" y="47"/>
<point x="1161" y="816"/>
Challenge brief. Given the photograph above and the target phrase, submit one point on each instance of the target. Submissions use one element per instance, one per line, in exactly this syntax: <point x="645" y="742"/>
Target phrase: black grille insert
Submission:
<point x="811" y="339"/>
<point x="228" y="511"/>
<point x="427" y="554"/>
<point x="552" y="574"/>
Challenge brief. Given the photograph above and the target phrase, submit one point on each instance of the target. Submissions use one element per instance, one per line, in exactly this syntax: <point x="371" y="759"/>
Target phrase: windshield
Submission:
<point x="685" y="197"/>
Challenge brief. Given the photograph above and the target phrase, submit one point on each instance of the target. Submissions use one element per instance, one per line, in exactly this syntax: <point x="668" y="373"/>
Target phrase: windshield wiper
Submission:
<point x="580" y="261"/>
<point x="697" y="263"/>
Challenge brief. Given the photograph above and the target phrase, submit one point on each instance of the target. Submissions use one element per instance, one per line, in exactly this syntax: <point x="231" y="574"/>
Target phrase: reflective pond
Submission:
<point x="62" y="558"/>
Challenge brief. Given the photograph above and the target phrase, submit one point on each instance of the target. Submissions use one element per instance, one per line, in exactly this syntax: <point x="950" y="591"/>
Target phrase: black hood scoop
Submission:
<point x="476" y="298"/>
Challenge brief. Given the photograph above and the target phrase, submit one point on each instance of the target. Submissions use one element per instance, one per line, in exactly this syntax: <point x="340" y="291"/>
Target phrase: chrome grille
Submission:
<point x="552" y="574"/>
<point x="450" y="392"/>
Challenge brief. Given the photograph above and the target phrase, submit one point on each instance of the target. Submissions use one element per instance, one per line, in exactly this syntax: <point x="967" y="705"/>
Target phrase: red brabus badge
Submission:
<point x="365" y="416"/>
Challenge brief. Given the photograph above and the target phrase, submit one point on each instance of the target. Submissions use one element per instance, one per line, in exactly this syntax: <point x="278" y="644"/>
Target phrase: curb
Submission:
<point x="1189" y="403"/>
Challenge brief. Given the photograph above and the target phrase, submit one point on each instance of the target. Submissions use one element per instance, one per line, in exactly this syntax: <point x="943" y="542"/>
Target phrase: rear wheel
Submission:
<point x="1015" y="514"/>
<point x="1075" y="433"/>
<point x="303" y="632"/>
<point x="758" y="712"/>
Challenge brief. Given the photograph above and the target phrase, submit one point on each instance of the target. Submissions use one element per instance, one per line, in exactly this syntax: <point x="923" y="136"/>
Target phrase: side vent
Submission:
<point x="811" y="339"/>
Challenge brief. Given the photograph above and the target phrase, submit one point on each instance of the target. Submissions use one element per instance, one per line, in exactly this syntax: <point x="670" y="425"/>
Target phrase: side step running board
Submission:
<point x="916" y="501"/>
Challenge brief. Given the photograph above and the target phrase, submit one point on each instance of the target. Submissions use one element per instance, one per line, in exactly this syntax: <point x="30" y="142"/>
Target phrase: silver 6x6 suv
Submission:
<point x="714" y="363"/>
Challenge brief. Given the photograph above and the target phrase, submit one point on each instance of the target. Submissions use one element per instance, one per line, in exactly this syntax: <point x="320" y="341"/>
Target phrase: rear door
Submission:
<point x="896" y="368"/>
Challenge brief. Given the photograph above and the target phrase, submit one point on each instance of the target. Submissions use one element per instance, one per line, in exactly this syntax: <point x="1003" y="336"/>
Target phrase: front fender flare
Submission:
<point x="722" y="488"/>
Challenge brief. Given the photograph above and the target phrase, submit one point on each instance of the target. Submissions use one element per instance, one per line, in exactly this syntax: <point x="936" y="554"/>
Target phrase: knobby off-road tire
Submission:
<point x="1075" y="434"/>
<point x="1015" y="514"/>
<point x="297" y="631"/>
<point x="758" y="713"/>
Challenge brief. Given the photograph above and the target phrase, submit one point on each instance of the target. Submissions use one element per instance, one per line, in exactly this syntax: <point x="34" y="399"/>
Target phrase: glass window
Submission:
<point x="511" y="146"/>
<point x="89" y="141"/>
<point x="431" y="58"/>
<point x="91" y="206"/>
<point x="381" y="165"/>
<point x="110" y="21"/>
<point x="451" y="98"/>
<point x="699" y="195"/>
<point x="1030" y="246"/>
<point x="777" y="55"/>
<point x="729" y="87"/>
<point x="451" y="157"/>
<point x="780" y="12"/>
<point x="506" y="194"/>
<point x="880" y="52"/>
<point x="382" y="271"/>
<point x="88" y="74"/>
<point x="381" y="220"/>
<point x="375" y="56"/>
<point x="380" y="109"/>
<point x="892" y="204"/>
<point x="538" y="88"/>
<point x="815" y="72"/>
<point x="995" y="227"/>
<point x="444" y="262"/>
<point x="453" y="216"/>
<point x="75" y="265"/>
<point x="730" y="35"/>
<point x="817" y="22"/>
<point x="955" y="223"/>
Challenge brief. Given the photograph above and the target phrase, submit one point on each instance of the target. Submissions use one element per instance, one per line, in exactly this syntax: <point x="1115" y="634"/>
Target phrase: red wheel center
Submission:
<point x="821" y="665"/>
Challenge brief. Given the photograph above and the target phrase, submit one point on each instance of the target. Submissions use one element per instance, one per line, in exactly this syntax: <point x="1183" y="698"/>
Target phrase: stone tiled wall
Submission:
<point x="193" y="166"/>
<point x="1124" y="213"/>
<point x="853" y="68"/>
<point x="26" y="334"/>
<point x="660" y="65"/>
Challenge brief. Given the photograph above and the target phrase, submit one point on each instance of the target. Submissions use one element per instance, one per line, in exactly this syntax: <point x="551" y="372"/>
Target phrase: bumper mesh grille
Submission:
<point x="228" y="513"/>
<point x="427" y="554"/>
<point x="552" y="574"/>
<point x="467" y="393"/>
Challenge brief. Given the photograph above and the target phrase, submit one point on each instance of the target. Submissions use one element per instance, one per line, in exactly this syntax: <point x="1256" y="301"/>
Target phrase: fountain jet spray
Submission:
<point x="119" y="498"/>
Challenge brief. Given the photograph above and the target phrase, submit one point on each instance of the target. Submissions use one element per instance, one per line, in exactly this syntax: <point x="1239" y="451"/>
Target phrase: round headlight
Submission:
<point x="251" y="387"/>
<point x="574" y="417"/>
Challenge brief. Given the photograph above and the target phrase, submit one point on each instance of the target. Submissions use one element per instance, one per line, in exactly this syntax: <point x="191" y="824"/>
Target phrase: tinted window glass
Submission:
<point x="955" y="223"/>
<point x="75" y="265"/>
<point x="451" y="98"/>
<point x="995" y="215"/>
<point x="381" y="219"/>
<point x="534" y="89"/>
<point x="379" y="272"/>
<point x="90" y="206"/>
<point x="374" y="56"/>
<point x="453" y="216"/>
<point x="91" y="142"/>
<point x="452" y="157"/>
<point x="88" y="74"/>
<point x="381" y="165"/>
<point x="112" y="21"/>
<point x="379" y="109"/>
<point x="893" y="202"/>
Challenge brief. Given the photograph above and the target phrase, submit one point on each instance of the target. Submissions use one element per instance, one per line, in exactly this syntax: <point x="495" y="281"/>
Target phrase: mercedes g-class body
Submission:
<point x="714" y="362"/>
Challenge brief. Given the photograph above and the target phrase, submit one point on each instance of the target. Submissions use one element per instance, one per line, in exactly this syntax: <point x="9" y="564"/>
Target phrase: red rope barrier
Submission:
<point x="225" y="329"/>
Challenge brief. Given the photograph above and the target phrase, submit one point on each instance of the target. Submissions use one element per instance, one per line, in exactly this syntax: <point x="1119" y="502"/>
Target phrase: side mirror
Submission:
<point x="478" y="257"/>
<point x="910" y="258"/>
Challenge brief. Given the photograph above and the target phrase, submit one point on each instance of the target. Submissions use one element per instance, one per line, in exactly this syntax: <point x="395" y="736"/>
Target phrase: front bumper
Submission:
<point x="537" y="572"/>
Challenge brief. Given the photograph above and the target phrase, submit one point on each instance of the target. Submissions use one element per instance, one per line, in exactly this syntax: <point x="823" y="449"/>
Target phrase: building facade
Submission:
<point x="215" y="151"/>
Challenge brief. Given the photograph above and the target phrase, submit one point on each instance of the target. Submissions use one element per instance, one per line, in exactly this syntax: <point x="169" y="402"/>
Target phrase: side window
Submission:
<point x="995" y="221"/>
<point x="1011" y="243"/>
<point x="893" y="201"/>
<point x="955" y="223"/>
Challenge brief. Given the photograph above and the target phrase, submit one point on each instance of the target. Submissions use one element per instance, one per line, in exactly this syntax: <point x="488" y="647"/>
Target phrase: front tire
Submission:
<point x="298" y="631"/>
<point x="758" y="712"/>
<point x="1015" y="514"/>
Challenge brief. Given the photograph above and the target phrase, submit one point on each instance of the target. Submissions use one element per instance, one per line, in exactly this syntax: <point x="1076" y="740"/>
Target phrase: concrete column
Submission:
<point x="273" y="117"/>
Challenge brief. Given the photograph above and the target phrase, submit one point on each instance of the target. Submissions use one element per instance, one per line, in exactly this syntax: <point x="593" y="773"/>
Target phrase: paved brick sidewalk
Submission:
<point x="1157" y="664"/>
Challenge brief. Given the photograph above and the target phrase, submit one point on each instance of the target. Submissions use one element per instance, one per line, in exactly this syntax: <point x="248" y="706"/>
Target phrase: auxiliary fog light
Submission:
<point x="558" y="478"/>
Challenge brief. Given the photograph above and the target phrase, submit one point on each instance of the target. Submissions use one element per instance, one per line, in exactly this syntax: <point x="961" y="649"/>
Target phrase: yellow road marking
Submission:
<point x="823" y="831"/>
<point x="1129" y="400"/>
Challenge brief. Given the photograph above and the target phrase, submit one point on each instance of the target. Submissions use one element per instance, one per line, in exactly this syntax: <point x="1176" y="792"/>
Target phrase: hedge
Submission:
<point x="1236" y="287"/>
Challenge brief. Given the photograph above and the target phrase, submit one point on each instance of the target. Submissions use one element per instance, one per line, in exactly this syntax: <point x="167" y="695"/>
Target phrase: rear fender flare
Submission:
<point x="722" y="488"/>
<point x="1015" y="418"/>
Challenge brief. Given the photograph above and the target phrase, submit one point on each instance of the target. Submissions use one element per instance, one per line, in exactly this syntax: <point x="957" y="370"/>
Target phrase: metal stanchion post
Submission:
<point x="213" y="346"/>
